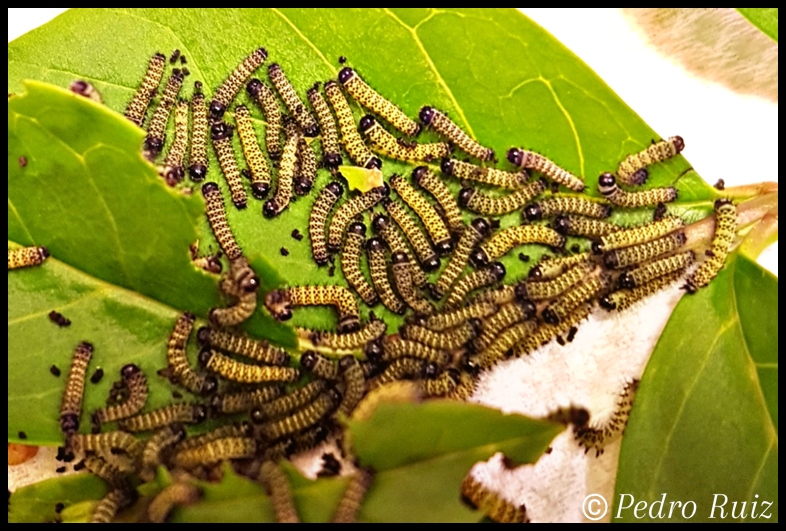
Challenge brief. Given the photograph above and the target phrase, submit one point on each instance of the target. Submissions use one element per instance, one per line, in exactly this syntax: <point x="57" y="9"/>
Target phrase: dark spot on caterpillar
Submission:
<point x="284" y="251"/>
<point x="524" y="257"/>
<point x="342" y="60"/>
<point x="720" y="185"/>
<point x="97" y="375"/>
<point x="575" y="248"/>
<point x="709" y="253"/>
<point x="176" y="394"/>
<point x="331" y="271"/>
<point x="54" y="370"/>
<point x="22" y="435"/>
<point x="297" y="235"/>
<point x="22" y="161"/>
<point x="59" y="470"/>
<point x="59" y="319"/>
<point x="175" y="55"/>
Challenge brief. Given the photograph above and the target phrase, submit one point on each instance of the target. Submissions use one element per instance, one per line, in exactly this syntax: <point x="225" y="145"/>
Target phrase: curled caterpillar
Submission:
<point x="475" y="201"/>
<point x="258" y="350"/>
<point x="113" y="502"/>
<point x="279" y="302"/>
<point x="103" y="469"/>
<point x="27" y="256"/>
<point x="377" y="261"/>
<point x="350" y="209"/>
<point x="725" y="229"/>
<point x="439" y="121"/>
<point x="528" y="159"/>
<point x="179" y="369"/>
<point x="571" y="299"/>
<point x="508" y="315"/>
<point x="437" y="230"/>
<point x="224" y="94"/>
<point x="135" y="382"/>
<point x="637" y="254"/>
<point x="477" y="230"/>
<point x="348" y="507"/>
<point x="402" y="274"/>
<point x="257" y="164"/>
<point x="277" y="486"/>
<point x="625" y="298"/>
<point x="157" y="447"/>
<point x="633" y="168"/>
<point x="548" y="289"/>
<point x="241" y="283"/>
<point x="505" y="240"/>
<point x="284" y="405"/>
<point x="317" y="219"/>
<point x="566" y="205"/>
<point x="216" y="216"/>
<point x="286" y="176"/>
<point x="372" y="100"/>
<point x="398" y="149"/>
<point x="331" y="150"/>
<point x="265" y="98"/>
<point x="235" y="371"/>
<point x="179" y="493"/>
<point x="596" y="436"/>
<point x="395" y="241"/>
<point x="185" y="413"/>
<point x="553" y="267"/>
<point x="501" y="178"/>
<point x="443" y="384"/>
<point x="450" y="339"/>
<point x="490" y="503"/>
<point x="399" y="369"/>
<point x="637" y="235"/>
<point x="608" y="187"/>
<point x="154" y="142"/>
<point x="221" y="134"/>
<point x="350" y="264"/>
<point x="174" y="171"/>
<point x="71" y="405"/>
<point x="302" y="418"/>
<point x="581" y="226"/>
<point x="354" y="384"/>
<point x="197" y="158"/>
<point x="137" y="107"/>
<point x="319" y="365"/>
<point x="486" y="276"/>
<point x="292" y="101"/>
<point x="426" y="256"/>
<point x="434" y="185"/>
<point x="350" y="138"/>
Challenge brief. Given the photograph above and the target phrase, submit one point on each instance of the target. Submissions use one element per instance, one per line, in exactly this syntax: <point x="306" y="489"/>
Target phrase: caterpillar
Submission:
<point x="265" y="98"/>
<point x="186" y="413"/>
<point x="436" y="228"/>
<point x="637" y="254"/>
<point x="546" y="332"/>
<point x="198" y="160"/>
<point x="608" y="187"/>
<point x="136" y="383"/>
<point x="59" y="319"/>
<point x="395" y="241"/>
<point x="286" y="176"/>
<point x="625" y="298"/>
<point x="486" y="276"/>
<point x="178" y="493"/>
<point x="371" y="331"/>
<point x="508" y="315"/>
<point x="443" y="384"/>
<point x="402" y="274"/>
<point x="566" y="205"/>
<point x="137" y="107"/>
<point x="377" y="262"/>
<point x="240" y="279"/>
<point x="319" y="365"/>
<point x="400" y="369"/>
<point x="645" y="273"/>
<point x="638" y="235"/>
<point x="179" y="369"/>
<point x="288" y="403"/>
<point x="331" y="150"/>
<point x="258" y="167"/>
<point x="581" y="226"/>
<point x="221" y="134"/>
<point x="215" y="451"/>
<point x="465" y="388"/>
<point x="499" y="295"/>
<point x="302" y="418"/>
<point x="350" y="209"/>
<point x="552" y="268"/>
<point x="399" y="149"/>
<point x="103" y="469"/>
<point x="393" y="349"/>
<point x="157" y="447"/>
<point x="280" y="301"/>
<point x="490" y="503"/>
<point x="571" y="299"/>
<point x="216" y="216"/>
<point x="113" y="502"/>
<point x="477" y="230"/>
<point x="548" y="289"/>
<point x="450" y="339"/>
<point x="307" y="166"/>
<point x="235" y="371"/>
<point x="350" y="264"/>
<point x="500" y="178"/>
<point x="475" y="201"/>
<point x="633" y="168"/>
<point x="85" y="89"/>
<point x="258" y="350"/>
<point x="156" y="131"/>
<point x="243" y="308"/>
<point x="277" y="486"/>
<point x="505" y="240"/>
<point x="725" y="229"/>
<point x="224" y="94"/>
<point x="434" y="185"/>
<point x="71" y="405"/>
<point x="502" y="344"/>
<point x="244" y="400"/>
<point x="439" y="121"/>
<point x="354" y="384"/>
<point x="426" y="256"/>
<point x="350" y="138"/>
<point x="27" y="256"/>
<point x="107" y="442"/>
<point x="456" y="316"/>
<point x="348" y="507"/>
<point x="528" y="159"/>
<point x="292" y="101"/>
<point x="598" y="437"/>
<point x="372" y="100"/>
<point x="317" y="219"/>
<point x="173" y="170"/>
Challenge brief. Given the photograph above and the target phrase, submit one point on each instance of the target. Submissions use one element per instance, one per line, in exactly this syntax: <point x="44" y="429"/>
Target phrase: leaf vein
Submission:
<point x="305" y="39"/>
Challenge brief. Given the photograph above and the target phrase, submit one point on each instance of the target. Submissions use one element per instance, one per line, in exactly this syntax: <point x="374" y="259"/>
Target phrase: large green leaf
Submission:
<point x="705" y="420"/>
<point x="764" y="18"/>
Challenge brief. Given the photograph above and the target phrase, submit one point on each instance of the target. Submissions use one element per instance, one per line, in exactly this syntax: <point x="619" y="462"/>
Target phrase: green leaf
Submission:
<point x="36" y="503"/>
<point x="421" y="453"/>
<point x="764" y="18"/>
<point x="705" y="419"/>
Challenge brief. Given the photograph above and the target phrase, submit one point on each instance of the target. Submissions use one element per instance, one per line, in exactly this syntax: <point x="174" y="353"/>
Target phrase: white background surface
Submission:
<point x="710" y="117"/>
